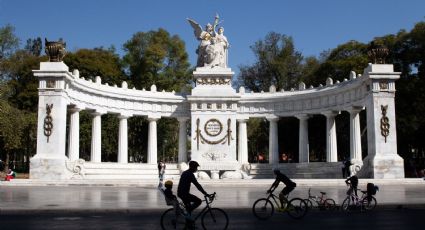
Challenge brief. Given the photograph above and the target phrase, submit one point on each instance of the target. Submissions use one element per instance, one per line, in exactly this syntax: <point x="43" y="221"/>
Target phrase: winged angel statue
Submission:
<point x="212" y="50"/>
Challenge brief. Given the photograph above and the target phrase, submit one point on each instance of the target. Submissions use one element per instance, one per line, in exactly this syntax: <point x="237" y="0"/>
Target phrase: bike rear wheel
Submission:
<point x="263" y="209"/>
<point x="169" y="220"/>
<point x="329" y="204"/>
<point x="297" y="208"/>
<point x="346" y="204"/>
<point x="215" y="218"/>
<point x="369" y="204"/>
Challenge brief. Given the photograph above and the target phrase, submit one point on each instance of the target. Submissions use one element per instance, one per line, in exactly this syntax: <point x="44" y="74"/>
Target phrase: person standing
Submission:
<point x="161" y="172"/>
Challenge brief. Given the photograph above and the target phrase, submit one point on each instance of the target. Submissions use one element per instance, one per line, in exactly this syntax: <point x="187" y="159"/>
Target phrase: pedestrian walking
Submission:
<point x="161" y="172"/>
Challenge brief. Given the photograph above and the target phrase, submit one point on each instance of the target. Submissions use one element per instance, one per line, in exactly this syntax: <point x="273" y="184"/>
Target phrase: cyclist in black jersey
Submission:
<point x="289" y="186"/>
<point x="190" y="201"/>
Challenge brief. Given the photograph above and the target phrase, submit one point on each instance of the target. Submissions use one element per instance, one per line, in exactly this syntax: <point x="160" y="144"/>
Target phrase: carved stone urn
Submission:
<point x="55" y="50"/>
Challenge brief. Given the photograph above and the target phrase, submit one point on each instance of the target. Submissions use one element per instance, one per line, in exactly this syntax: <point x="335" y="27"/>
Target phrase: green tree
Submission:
<point x="278" y="63"/>
<point x="97" y="62"/>
<point x="8" y="41"/>
<point x="155" y="57"/>
<point x="34" y="46"/>
<point x="339" y="62"/>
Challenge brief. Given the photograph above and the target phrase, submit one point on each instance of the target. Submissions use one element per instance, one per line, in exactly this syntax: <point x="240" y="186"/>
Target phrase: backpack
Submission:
<point x="371" y="189"/>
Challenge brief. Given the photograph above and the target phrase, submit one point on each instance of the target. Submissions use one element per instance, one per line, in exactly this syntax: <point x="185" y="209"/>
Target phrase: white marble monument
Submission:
<point x="218" y="116"/>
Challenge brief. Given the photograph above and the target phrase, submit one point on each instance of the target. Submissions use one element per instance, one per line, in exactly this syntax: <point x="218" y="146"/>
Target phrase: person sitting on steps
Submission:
<point x="289" y="186"/>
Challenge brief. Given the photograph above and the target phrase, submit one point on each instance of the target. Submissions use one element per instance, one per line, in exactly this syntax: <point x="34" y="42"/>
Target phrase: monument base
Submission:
<point x="48" y="168"/>
<point x="382" y="167"/>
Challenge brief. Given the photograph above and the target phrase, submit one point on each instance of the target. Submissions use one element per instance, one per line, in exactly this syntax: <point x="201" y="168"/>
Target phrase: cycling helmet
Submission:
<point x="168" y="184"/>
<point x="193" y="164"/>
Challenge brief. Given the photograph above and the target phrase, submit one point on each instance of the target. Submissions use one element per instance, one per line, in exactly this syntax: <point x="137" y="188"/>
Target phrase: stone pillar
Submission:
<point x="355" y="137"/>
<point x="74" y="135"/>
<point x="123" y="140"/>
<point x="242" y="142"/>
<point x="382" y="161"/>
<point x="49" y="161"/>
<point x="303" y="138"/>
<point x="273" y="141"/>
<point x="96" y="139"/>
<point x="152" y="141"/>
<point x="182" y="139"/>
<point x="331" y="144"/>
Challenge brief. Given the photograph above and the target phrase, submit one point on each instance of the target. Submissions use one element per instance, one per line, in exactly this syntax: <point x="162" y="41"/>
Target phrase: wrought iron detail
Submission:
<point x="55" y="50"/>
<point x="198" y="133"/>
<point x="385" y="123"/>
<point x="377" y="53"/>
<point x="48" y="122"/>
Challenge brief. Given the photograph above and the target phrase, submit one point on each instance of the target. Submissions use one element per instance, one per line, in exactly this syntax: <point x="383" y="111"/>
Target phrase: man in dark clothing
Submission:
<point x="190" y="201"/>
<point x="353" y="182"/>
<point x="289" y="185"/>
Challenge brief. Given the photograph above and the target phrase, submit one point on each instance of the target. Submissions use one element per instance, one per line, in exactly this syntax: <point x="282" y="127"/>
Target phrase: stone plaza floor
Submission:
<point x="23" y="196"/>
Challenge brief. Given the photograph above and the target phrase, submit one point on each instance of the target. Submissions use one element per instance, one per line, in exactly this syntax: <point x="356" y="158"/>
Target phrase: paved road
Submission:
<point x="405" y="219"/>
<point x="75" y="198"/>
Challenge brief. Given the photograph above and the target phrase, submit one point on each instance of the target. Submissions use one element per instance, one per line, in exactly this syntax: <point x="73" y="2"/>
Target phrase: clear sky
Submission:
<point x="315" y="25"/>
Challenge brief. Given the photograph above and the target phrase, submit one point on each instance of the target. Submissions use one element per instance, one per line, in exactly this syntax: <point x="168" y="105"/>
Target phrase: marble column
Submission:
<point x="331" y="144"/>
<point x="273" y="141"/>
<point x="74" y="135"/>
<point x="152" y="141"/>
<point x="355" y="137"/>
<point x="242" y="142"/>
<point x="303" y="138"/>
<point x="96" y="139"/>
<point x="123" y="140"/>
<point x="182" y="157"/>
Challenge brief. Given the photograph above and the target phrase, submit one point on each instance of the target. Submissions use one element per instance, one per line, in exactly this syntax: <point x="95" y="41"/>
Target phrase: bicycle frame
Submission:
<point x="320" y="200"/>
<point x="206" y="208"/>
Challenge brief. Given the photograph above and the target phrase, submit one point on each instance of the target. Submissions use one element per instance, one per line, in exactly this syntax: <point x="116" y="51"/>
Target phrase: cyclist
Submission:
<point x="190" y="201"/>
<point x="353" y="181"/>
<point x="289" y="186"/>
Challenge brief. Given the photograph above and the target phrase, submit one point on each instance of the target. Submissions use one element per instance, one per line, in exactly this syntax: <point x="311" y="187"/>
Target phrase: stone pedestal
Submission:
<point x="382" y="160"/>
<point x="49" y="161"/>
<point x="213" y="120"/>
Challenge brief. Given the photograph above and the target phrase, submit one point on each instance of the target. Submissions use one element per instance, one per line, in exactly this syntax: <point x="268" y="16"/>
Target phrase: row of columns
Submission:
<point x="331" y="141"/>
<point x="96" y="144"/>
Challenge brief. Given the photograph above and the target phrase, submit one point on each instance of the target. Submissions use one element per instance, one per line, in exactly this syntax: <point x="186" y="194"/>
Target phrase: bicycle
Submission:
<point x="321" y="202"/>
<point x="211" y="218"/>
<point x="263" y="208"/>
<point x="365" y="202"/>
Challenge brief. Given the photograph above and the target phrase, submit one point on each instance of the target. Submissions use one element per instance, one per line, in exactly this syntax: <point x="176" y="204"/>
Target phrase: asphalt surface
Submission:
<point x="238" y="219"/>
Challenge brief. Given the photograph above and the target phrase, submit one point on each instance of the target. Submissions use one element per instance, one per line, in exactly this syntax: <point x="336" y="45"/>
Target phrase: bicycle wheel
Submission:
<point x="263" y="209"/>
<point x="309" y="203"/>
<point x="297" y="208"/>
<point x="215" y="218"/>
<point x="169" y="220"/>
<point x="346" y="204"/>
<point x="369" y="204"/>
<point x="329" y="204"/>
